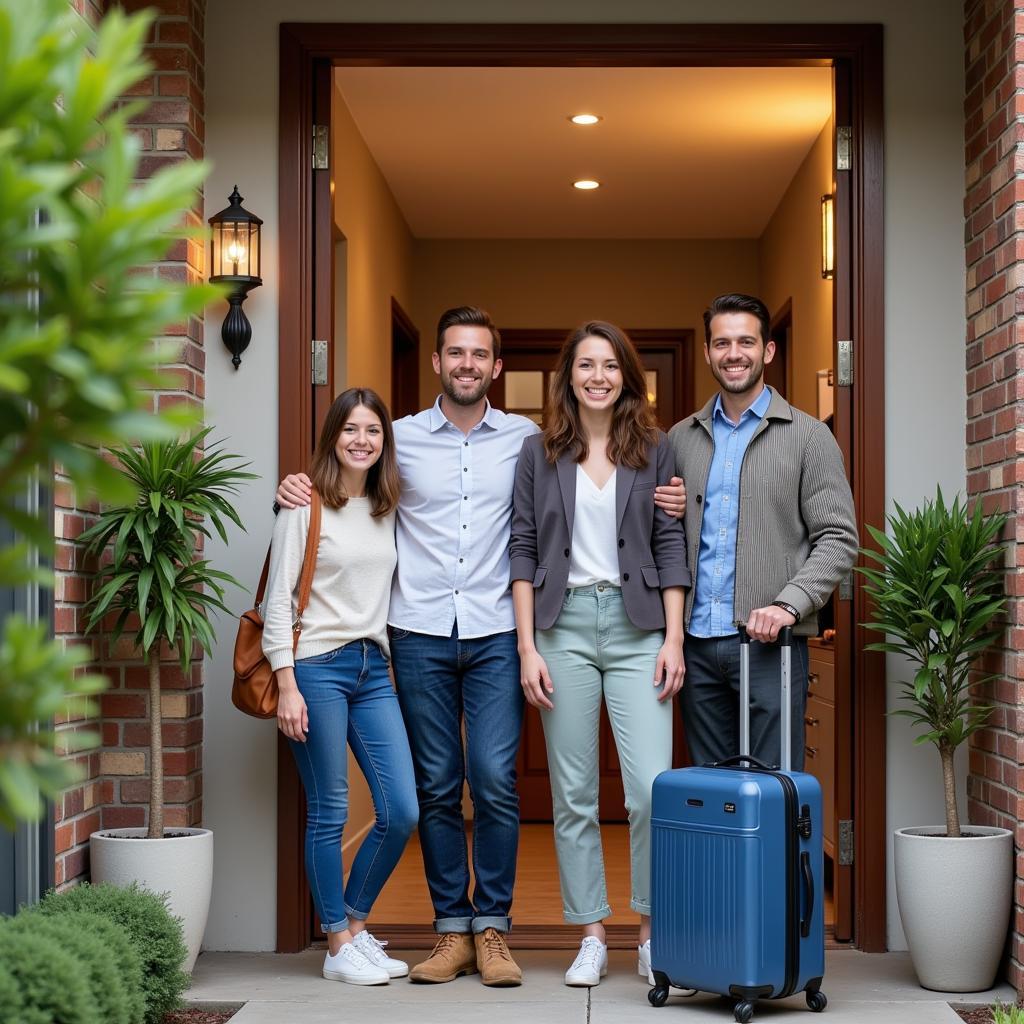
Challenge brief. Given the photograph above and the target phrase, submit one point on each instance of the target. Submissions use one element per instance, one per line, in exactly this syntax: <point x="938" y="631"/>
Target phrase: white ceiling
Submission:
<point x="680" y="152"/>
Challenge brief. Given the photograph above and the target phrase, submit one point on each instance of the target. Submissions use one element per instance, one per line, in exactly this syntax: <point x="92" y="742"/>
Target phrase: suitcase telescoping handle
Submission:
<point x="785" y="651"/>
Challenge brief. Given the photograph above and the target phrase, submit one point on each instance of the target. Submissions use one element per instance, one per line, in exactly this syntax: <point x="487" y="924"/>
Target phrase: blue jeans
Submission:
<point x="348" y="693"/>
<point x="442" y="680"/>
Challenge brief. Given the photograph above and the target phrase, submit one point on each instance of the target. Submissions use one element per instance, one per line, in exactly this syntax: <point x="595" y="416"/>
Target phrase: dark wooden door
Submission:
<point x="529" y="358"/>
<point x="405" y="363"/>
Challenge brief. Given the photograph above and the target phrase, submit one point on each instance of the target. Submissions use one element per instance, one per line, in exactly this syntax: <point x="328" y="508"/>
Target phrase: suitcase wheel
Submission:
<point x="816" y="1001"/>
<point x="743" y="1012"/>
<point x="658" y="996"/>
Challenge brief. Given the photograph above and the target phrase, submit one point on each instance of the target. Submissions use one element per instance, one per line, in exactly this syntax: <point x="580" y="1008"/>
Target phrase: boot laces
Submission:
<point x="494" y="943"/>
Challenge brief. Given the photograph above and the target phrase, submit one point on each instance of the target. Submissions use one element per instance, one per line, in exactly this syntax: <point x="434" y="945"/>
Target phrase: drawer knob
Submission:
<point x="811" y="721"/>
<point x="812" y="678"/>
<point x="811" y="751"/>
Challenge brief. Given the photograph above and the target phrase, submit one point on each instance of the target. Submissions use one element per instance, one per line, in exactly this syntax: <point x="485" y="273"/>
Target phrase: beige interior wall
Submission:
<point x="376" y="265"/>
<point x="789" y="258"/>
<point x="379" y="257"/>
<point x="526" y="283"/>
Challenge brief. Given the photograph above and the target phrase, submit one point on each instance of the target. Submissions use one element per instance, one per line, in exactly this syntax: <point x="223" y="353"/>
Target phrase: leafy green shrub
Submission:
<point x="52" y="981"/>
<point x="77" y="363"/>
<point x="111" y="963"/>
<point x="939" y="596"/>
<point x="154" y="933"/>
<point x="1003" y="1013"/>
<point x="11" y="1006"/>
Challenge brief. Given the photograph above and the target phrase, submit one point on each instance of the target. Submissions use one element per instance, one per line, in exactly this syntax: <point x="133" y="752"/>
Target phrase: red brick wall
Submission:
<point x="116" y="788"/>
<point x="994" y="237"/>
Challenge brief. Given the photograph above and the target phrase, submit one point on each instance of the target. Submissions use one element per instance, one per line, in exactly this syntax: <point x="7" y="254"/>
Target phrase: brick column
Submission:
<point x="116" y="789"/>
<point x="994" y="237"/>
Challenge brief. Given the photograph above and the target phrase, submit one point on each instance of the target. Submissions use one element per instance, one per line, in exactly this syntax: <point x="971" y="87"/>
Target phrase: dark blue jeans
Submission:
<point x="710" y="699"/>
<point x="441" y="682"/>
<point x="348" y="694"/>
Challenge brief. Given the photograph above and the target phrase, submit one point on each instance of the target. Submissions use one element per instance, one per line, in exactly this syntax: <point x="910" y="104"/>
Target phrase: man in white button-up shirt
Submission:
<point x="454" y="645"/>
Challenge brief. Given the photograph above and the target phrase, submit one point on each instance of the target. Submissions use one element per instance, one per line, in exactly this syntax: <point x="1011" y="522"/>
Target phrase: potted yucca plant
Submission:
<point x="938" y="593"/>
<point x="160" y="591"/>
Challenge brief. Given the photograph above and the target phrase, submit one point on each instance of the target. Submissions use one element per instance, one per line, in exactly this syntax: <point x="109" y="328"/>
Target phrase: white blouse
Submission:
<point x="594" y="554"/>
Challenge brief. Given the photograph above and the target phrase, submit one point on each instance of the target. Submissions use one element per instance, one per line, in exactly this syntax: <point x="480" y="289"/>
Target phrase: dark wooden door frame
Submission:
<point x="307" y="49"/>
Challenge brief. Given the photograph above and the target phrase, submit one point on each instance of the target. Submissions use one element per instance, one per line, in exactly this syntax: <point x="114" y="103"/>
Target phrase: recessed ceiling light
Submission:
<point x="584" y="119"/>
<point x="586" y="184"/>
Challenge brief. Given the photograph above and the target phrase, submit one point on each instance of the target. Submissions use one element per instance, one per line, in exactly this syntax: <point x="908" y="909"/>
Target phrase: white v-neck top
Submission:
<point x="594" y="554"/>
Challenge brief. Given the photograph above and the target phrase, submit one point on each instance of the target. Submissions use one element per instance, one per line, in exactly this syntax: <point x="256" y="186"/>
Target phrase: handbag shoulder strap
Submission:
<point x="308" y="564"/>
<point x="262" y="585"/>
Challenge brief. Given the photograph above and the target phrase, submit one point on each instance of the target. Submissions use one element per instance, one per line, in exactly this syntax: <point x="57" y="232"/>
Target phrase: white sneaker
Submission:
<point x="590" y="965"/>
<point x="350" y="966"/>
<point x="643" y="967"/>
<point x="373" y="949"/>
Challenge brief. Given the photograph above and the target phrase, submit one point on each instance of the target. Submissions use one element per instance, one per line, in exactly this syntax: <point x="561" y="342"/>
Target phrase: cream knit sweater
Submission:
<point x="351" y="585"/>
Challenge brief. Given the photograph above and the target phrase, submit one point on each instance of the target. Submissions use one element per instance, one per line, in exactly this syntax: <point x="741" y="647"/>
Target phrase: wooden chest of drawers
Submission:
<point x="820" y="730"/>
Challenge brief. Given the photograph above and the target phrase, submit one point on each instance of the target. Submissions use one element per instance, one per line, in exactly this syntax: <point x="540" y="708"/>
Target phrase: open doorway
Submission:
<point x="840" y="50"/>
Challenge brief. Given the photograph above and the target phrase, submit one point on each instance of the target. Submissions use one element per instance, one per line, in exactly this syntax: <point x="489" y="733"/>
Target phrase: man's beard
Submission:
<point x="465" y="397"/>
<point x="754" y="377"/>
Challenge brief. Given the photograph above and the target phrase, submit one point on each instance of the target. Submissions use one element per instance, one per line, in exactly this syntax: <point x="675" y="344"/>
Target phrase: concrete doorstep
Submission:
<point x="862" y="988"/>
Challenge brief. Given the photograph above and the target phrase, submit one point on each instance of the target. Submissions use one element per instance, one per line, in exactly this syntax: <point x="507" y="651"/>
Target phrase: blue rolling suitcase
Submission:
<point x="737" y="873"/>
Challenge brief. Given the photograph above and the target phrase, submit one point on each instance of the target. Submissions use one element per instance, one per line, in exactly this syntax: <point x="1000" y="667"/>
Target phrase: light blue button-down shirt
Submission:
<point x="454" y="518"/>
<point x="715" y="578"/>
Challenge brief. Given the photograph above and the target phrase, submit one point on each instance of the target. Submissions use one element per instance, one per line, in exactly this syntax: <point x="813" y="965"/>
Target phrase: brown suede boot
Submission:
<point x="494" y="961"/>
<point x="453" y="955"/>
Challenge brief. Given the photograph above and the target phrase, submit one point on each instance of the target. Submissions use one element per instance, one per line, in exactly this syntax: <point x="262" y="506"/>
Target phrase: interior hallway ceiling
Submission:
<point x="477" y="153"/>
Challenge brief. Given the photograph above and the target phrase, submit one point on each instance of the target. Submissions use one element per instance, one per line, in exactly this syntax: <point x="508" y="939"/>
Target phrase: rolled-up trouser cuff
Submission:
<point x="499" y="924"/>
<point x="463" y="925"/>
<point x="355" y="914"/>
<point x="640" y="907"/>
<point x="338" y="926"/>
<point x="591" y="918"/>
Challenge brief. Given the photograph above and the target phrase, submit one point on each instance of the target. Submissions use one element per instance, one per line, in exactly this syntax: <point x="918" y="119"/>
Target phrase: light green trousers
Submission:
<point x="592" y="652"/>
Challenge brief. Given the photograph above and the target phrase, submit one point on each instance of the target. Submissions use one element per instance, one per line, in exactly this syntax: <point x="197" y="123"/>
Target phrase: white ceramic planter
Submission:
<point x="954" y="897"/>
<point x="181" y="865"/>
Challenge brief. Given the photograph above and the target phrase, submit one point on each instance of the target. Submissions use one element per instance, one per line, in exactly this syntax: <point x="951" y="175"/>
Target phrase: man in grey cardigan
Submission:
<point x="771" y="532"/>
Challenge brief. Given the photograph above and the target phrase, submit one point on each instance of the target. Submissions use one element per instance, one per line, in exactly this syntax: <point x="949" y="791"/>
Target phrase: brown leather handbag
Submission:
<point x="255" y="687"/>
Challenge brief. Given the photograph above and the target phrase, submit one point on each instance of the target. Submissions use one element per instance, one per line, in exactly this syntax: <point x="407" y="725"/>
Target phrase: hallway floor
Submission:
<point x="281" y="989"/>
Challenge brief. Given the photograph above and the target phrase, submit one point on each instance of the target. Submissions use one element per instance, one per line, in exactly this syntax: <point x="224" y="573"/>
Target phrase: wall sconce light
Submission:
<point x="235" y="261"/>
<point x="828" y="236"/>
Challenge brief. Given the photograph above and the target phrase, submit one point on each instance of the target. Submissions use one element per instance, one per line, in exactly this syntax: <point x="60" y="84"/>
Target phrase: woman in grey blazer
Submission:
<point x="597" y="580"/>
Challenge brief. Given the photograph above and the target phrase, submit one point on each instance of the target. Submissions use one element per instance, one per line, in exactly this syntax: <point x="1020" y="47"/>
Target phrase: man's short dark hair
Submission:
<point x="468" y="316"/>
<point x="736" y="302"/>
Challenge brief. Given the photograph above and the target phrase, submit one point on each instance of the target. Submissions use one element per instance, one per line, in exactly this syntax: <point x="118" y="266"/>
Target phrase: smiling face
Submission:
<point x="736" y="352"/>
<point x="596" y="375"/>
<point x="466" y="364"/>
<point x="360" y="442"/>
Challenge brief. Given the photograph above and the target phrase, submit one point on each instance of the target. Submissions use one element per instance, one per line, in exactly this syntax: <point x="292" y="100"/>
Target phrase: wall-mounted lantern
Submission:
<point x="828" y="236"/>
<point x="235" y="261"/>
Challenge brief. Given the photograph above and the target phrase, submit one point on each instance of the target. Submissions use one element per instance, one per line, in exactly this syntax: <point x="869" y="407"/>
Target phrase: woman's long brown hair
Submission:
<point x="382" y="481"/>
<point x="634" y="428"/>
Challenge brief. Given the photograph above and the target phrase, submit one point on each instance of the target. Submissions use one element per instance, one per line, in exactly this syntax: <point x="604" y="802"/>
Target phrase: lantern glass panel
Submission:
<point x="254" y="250"/>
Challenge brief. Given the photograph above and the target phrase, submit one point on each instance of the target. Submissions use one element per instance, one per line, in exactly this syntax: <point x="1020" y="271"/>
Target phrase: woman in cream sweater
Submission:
<point x="335" y="686"/>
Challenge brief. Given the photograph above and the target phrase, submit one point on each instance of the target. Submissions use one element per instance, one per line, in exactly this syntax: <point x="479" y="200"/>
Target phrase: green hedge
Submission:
<point x="150" y="928"/>
<point x="110" y="963"/>
<point x="11" y="1004"/>
<point x="52" y="981"/>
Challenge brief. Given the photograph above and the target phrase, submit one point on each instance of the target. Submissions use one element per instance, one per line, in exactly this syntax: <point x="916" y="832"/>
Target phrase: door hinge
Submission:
<point x="321" y="147"/>
<point x="846" y="587"/>
<point x="844" y="372"/>
<point x="846" y="842"/>
<point x="844" y="148"/>
<point x="319" y="362"/>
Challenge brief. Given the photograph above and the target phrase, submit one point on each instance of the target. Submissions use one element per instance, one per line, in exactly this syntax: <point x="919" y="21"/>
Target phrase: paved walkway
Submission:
<point x="861" y="988"/>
